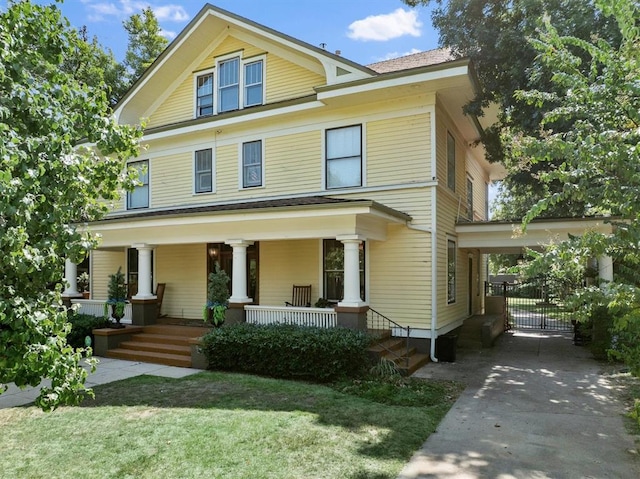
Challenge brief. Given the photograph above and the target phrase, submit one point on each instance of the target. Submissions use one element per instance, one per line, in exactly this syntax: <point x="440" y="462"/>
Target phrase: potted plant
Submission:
<point x="83" y="284"/>
<point x="217" y="298"/>
<point x="117" y="298"/>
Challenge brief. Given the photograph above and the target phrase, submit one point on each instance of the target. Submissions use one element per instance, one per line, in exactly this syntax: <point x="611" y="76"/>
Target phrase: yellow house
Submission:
<point x="290" y="165"/>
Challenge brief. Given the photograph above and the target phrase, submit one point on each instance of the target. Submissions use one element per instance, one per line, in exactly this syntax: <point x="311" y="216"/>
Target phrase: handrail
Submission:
<point x="379" y="322"/>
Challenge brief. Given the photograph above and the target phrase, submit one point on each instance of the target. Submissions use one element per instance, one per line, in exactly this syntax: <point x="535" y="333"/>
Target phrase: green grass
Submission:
<point x="554" y="311"/>
<point x="218" y="425"/>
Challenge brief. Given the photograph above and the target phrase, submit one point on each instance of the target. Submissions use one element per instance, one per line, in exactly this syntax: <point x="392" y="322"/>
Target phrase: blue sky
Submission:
<point x="365" y="31"/>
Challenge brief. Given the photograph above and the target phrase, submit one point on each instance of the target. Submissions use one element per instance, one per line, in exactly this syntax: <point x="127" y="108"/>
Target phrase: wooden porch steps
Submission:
<point x="160" y="344"/>
<point x="394" y="349"/>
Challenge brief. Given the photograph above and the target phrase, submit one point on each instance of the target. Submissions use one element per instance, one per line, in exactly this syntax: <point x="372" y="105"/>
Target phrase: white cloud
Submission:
<point x="121" y="9"/>
<point x="385" y="27"/>
<point x="392" y="55"/>
<point x="168" y="34"/>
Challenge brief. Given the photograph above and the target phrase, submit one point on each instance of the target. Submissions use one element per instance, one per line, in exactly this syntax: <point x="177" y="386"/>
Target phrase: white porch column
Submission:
<point x="71" y="279"/>
<point x="605" y="268"/>
<point x="352" y="297"/>
<point x="144" y="272"/>
<point x="239" y="280"/>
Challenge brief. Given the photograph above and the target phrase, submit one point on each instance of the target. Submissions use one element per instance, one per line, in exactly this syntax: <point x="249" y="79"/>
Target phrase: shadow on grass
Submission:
<point x="407" y="427"/>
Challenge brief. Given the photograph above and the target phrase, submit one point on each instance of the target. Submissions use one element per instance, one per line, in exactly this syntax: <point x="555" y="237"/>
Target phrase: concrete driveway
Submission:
<point x="536" y="406"/>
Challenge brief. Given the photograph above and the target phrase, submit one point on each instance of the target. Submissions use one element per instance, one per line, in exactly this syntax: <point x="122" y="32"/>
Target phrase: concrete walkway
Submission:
<point x="108" y="370"/>
<point x="536" y="406"/>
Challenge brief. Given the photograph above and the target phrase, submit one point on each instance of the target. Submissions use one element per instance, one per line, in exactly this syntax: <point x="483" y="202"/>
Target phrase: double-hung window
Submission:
<point x="203" y="166"/>
<point x="229" y="85"/>
<point x="204" y="95"/>
<point x="344" y="157"/>
<point x="139" y="197"/>
<point x="470" y="198"/>
<point x="451" y="162"/>
<point x="252" y="164"/>
<point x="253" y="83"/>
<point x="451" y="271"/>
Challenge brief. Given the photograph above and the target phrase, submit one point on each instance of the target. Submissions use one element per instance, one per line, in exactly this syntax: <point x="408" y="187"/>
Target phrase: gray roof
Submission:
<point x="422" y="59"/>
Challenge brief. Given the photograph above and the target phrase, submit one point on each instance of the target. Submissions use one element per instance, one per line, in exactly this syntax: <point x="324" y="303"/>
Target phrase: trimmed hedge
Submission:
<point x="81" y="327"/>
<point x="288" y="352"/>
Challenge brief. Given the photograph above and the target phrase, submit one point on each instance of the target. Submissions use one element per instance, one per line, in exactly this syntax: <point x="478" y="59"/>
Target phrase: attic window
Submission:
<point x="204" y="95"/>
<point x="341" y="71"/>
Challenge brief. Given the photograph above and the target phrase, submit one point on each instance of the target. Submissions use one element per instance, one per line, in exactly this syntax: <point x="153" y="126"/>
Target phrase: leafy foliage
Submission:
<point x="289" y="352"/>
<point x="82" y="326"/>
<point x="145" y="43"/>
<point x="217" y="297"/>
<point x="596" y="89"/>
<point x="60" y="153"/>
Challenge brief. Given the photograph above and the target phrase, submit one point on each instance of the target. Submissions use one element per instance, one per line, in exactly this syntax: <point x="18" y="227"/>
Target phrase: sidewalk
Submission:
<point x="536" y="406"/>
<point x="108" y="370"/>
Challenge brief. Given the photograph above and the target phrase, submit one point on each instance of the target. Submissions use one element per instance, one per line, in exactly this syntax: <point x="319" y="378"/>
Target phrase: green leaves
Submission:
<point x="47" y="184"/>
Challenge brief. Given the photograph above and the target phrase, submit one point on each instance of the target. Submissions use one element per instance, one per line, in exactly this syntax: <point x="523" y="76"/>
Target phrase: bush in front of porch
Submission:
<point x="288" y="351"/>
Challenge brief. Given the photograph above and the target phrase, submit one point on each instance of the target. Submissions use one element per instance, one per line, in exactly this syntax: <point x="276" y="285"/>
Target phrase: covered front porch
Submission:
<point x="266" y="247"/>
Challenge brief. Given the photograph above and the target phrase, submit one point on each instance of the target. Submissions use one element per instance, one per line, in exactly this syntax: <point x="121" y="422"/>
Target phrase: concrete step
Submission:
<point x="150" y="357"/>
<point x="176" y="331"/>
<point x="156" y="347"/>
<point x="391" y="344"/>
<point x="416" y="361"/>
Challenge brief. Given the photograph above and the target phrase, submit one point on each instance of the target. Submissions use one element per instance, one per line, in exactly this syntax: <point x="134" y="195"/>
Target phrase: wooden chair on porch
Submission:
<point x="300" y="296"/>
<point x="160" y="296"/>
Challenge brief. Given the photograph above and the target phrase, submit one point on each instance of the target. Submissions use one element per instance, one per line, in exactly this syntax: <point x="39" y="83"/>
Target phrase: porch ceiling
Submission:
<point x="508" y="237"/>
<point x="298" y="218"/>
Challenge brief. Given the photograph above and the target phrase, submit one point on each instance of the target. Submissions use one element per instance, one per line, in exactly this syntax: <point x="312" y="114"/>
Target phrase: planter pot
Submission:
<point x="117" y="316"/>
<point x="86" y="295"/>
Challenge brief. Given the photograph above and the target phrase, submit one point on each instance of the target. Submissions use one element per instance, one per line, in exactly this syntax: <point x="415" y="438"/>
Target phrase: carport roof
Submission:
<point x="509" y="237"/>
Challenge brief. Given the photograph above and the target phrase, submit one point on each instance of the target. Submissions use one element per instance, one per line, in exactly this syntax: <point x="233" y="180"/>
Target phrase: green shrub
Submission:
<point x="287" y="351"/>
<point x="81" y="327"/>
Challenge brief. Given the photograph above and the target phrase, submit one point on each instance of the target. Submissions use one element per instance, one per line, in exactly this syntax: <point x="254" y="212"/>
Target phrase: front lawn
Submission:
<point x="219" y="425"/>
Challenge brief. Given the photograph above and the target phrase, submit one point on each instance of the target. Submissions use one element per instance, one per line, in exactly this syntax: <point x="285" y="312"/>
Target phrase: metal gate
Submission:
<point x="534" y="305"/>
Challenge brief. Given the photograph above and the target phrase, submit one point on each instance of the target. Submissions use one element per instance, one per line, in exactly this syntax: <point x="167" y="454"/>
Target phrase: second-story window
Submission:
<point x="229" y="85"/>
<point x="344" y="157"/>
<point x="203" y="178"/>
<point x="451" y="162"/>
<point x="204" y="95"/>
<point x="139" y="197"/>
<point x="252" y="164"/>
<point x="470" y="198"/>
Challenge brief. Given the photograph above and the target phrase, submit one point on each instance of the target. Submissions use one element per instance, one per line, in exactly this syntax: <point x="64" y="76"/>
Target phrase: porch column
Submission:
<point x="144" y="272"/>
<point x="605" y="268"/>
<point x="352" y="297"/>
<point x="71" y="279"/>
<point x="239" y="280"/>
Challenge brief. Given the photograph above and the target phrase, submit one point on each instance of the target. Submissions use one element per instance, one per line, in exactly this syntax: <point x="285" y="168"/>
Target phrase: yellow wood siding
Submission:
<point x="293" y="163"/>
<point x="286" y="80"/>
<point x="285" y="263"/>
<point x="171" y="180"/>
<point x="398" y="150"/>
<point x="400" y="277"/>
<point x="283" y="80"/>
<point x="184" y="269"/>
<point x="480" y="180"/>
<point x="104" y="263"/>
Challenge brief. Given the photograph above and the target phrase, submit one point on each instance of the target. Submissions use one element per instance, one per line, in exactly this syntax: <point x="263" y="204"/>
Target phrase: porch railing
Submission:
<point x="95" y="307"/>
<point x="320" y="317"/>
<point x="378" y="323"/>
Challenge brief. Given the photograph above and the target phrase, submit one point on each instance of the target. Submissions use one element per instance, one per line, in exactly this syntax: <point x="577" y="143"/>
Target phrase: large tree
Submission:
<point x="494" y="34"/>
<point x="61" y="157"/>
<point x="595" y="88"/>
<point x="145" y="43"/>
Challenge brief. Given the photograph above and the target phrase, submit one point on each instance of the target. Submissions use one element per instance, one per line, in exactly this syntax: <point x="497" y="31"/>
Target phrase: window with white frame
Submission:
<point x="203" y="171"/>
<point x="229" y="85"/>
<point x="204" y="95"/>
<point x="451" y="161"/>
<point x="252" y="164"/>
<point x="139" y="197"/>
<point x="343" y="157"/>
<point x="451" y="271"/>
<point x="253" y="83"/>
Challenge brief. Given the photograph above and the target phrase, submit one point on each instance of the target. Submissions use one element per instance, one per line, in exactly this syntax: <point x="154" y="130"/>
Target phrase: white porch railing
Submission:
<point x="95" y="307"/>
<point x="320" y="317"/>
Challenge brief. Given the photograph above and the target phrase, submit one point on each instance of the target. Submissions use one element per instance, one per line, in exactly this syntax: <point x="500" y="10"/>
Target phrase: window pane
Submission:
<point x="228" y="85"/>
<point x="139" y="197"/>
<point x="451" y="161"/>
<point x="205" y="95"/>
<point x="253" y="83"/>
<point x="333" y="270"/>
<point x="470" y="199"/>
<point x="343" y="142"/>
<point x="252" y="164"/>
<point x="203" y="173"/>
<point x="343" y="173"/>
